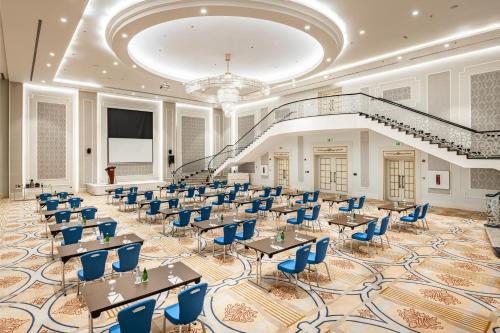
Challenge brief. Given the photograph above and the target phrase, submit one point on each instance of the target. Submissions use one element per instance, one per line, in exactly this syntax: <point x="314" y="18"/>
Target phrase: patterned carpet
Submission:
<point x="446" y="279"/>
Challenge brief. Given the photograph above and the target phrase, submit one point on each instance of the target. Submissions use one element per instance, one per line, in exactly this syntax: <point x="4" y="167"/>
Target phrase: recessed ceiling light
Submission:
<point x="307" y="27"/>
<point x="328" y="59"/>
<point x="400" y="57"/>
<point x="134" y="66"/>
<point x="49" y="65"/>
<point x="63" y="19"/>
<point x="115" y="63"/>
<point x="43" y="81"/>
<point x="361" y="32"/>
<point x="326" y="76"/>
<point x="104" y="71"/>
<point x="293" y="80"/>
<point x="447" y="45"/>
<point x="52" y="54"/>
<point x="415" y="12"/>
<point x="143" y="86"/>
<point x="294" y="85"/>
<point x="203" y="11"/>
<point x="124" y="35"/>
<point x="133" y="94"/>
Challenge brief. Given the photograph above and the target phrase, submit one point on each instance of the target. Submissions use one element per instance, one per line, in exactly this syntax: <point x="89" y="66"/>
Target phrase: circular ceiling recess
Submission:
<point x="194" y="47"/>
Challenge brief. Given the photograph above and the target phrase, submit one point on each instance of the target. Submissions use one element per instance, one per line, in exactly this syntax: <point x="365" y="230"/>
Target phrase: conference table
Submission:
<point x="102" y="296"/>
<point x="343" y="221"/>
<point x="43" y="203"/>
<point x="245" y="201"/>
<point x="66" y="252"/>
<point x="396" y="207"/>
<point x="53" y="195"/>
<point x="335" y="200"/>
<point x="167" y="212"/>
<point x="269" y="246"/>
<point x="292" y="194"/>
<point x="211" y="224"/>
<point x="144" y="202"/>
<point x="57" y="228"/>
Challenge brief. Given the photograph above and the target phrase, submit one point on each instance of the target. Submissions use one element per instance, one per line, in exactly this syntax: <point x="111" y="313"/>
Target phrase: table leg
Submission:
<point x="63" y="279"/>
<point x="91" y="323"/>
<point x="139" y="213"/>
<point x="52" y="246"/>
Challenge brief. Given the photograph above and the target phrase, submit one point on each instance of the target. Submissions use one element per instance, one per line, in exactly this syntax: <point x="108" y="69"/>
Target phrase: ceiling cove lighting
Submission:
<point x="227" y="87"/>
<point x="78" y="83"/>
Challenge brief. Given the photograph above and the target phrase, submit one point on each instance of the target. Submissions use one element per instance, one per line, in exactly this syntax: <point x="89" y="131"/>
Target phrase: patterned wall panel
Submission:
<point x="245" y="123"/>
<point x="193" y="142"/>
<point x="51" y="140"/>
<point x="485" y="101"/>
<point x="365" y="158"/>
<point x="397" y="94"/>
<point x="134" y="169"/>
<point x="485" y="179"/>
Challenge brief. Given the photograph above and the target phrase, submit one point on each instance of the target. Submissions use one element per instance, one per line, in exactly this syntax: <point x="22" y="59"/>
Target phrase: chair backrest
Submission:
<point x="305" y="197"/>
<point x="62" y="195"/>
<point x="74" y="202"/>
<point x="416" y="212"/>
<point x="63" y="216"/>
<point x="129" y="256"/>
<point x="269" y="203"/>
<point x="172" y="187"/>
<point x="230" y="232"/>
<point x="249" y="228"/>
<point x="72" y="235"/>
<point x="301" y="212"/>
<point x="224" y="182"/>
<point x="52" y="204"/>
<point x="245" y="187"/>
<point x="350" y="203"/>
<point x="255" y="205"/>
<point x="148" y="195"/>
<point x="93" y="264"/>
<point x="321" y="249"/>
<point x="190" y="192"/>
<point x="205" y="212"/>
<point x="424" y="211"/>
<point x="184" y="217"/>
<point x="173" y="203"/>
<point x="133" y="189"/>
<point x="154" y="206"/>
<point x="279" y="189"/>
<point x="89" y="213"/>
<point x="236" y="187"/>
<point x="267" y="191"/>
<point x="201" y="190"/>
<point x="191" y="303"/>
<point x="315" y="212"/>
<point x="371" y="230"/>
<point x="361" y="202"/>
<point x="107" y="228"/>
<point x="220" y="199"/>
<point x="137" y="318"/>
<point x="44" y="196"/>
<point x="384" y="222"/>
<point x="315" y="196"/>
<point x="301" y="257"/>
<point x="182" y="185"/>
<point x="132" y="197"/>
<point x="232" y="195"/>
<point x="215" y="184"/>
<point x="119" y="190"/>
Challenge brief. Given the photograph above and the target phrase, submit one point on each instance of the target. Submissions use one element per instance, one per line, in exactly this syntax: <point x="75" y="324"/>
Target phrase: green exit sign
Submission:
<point x="397" y="143"/>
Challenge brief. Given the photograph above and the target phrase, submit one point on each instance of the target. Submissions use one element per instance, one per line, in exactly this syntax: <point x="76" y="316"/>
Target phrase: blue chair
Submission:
<point x="189" y="307"/>
<point x="267" y="192"/>
<point x="410" y="218"/>
<point x="204" y="214"/>
<point x="366" y="236"/>
<point x="131" y="200"/>
<point x="190" y="193"/>
<point x="72" y="235"/>
<point x="107" y="228"/>
<point x="297" y="265"/>
<point x="224" y="182"/>
<point x="182" y="222"/>
<point x="236" y="187"/>
<point x="255" y="207"/>
<point x="230" y="198"/>
<point x="267" y="205"/>
<point x="117" y="195"/>
<point x="305" y="199"/>
<point x="318" y="257"/>
<point x="154" y="210"/>
<point x="349" y="207"/>
<point x="297" y="221"/>
<point x="74" y="202"/>
<point x="148" y="195"/>
<point x="44" y="196"/>
<point x="227" y="239"/>
<point x="62" y="195"/>
<point x="248" y="230"/>
<point x="360" y="204"/>
<point x="314" y="216"/>
<point x="133" y="189"/>
<point x="277" y="192"/>
<point x="93" y="266"/>
<point x="215" y="185"/>
<point x="220" y="200"/>
<point x="182" y="185"/>
<point x="245" y="187"/>
<point x="173" y="203"/>
<point x="63" y="216"/>
<point x="135" y="318"/>
<point x="314" y="198"/>
<point x="52" y="204"/>
<point x="171" y="189"/>
<point x="201" y="191"/>
<point x="379" y="232"/>
<point x="128" y="257"/>
<point x="88" y="213"/>
<point x="423" y="215"/>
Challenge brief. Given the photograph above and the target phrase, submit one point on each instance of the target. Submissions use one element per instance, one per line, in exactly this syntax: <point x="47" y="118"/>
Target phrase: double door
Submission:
<point x="283" y="172"/>
<point x="400" y="180"/>
<point x="332" y="174"/>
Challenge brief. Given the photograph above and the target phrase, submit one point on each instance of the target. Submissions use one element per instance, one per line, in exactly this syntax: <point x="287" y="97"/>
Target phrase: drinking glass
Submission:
<point x="170" y="268"/>
<point x="112" y="284"/>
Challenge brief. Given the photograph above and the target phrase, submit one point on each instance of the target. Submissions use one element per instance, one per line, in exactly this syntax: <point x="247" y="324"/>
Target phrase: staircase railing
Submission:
<point x="464" y="140"/>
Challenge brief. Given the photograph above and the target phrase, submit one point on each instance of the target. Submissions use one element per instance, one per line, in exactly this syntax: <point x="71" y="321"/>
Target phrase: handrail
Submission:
<point x="493" y="195"/>
<point x="383" y="100"/>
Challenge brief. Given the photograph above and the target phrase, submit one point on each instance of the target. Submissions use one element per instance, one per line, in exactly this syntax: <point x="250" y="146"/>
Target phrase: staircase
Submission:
<point x="466" y="147"/>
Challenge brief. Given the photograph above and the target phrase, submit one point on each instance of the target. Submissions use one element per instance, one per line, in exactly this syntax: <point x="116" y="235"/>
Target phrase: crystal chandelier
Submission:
<point x="227" y="90"/>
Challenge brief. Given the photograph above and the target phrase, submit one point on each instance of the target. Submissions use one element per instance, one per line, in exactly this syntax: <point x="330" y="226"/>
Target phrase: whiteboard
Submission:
<point x="122" y="150"/>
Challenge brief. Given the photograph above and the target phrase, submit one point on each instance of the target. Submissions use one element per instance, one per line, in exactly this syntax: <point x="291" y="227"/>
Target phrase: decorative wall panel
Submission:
<point x="485" y="101"/>
<point x="134" y="169"/>
<point x="51" y="140"/>
<point x="193" y="142"/>
<point x="485" y="179"/>
<point x="245" y="123"/>
<point x="397" y="94"/>
<point x="365" y="158"/>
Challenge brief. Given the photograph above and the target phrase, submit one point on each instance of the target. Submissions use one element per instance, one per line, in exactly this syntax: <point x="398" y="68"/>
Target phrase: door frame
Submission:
<point x="400" y="155"/>
<point x="333" y="151"/>
<point x="281" y="156"/>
